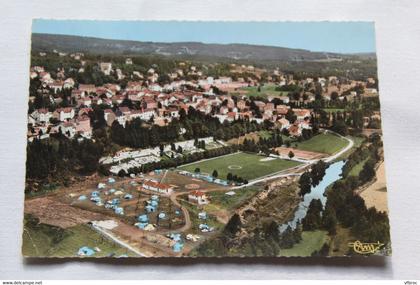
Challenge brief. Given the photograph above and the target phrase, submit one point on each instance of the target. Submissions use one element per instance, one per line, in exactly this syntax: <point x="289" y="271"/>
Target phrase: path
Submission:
<point x="184" y="210"/>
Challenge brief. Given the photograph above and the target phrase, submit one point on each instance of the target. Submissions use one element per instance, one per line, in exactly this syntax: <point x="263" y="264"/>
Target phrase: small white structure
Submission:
<point x="106" y="67"/>
<point x="198" y="197"/>
<point x="101" y="185"/>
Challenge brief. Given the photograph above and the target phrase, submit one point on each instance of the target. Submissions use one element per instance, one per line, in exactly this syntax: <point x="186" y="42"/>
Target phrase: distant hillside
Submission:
<point x="47" y="42"/>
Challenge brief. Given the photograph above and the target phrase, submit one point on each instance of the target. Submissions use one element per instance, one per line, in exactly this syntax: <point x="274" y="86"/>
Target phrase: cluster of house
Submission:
<point x="152" y="106"/>
<point x="68" y="121"/>
<point x="161" y="104"/>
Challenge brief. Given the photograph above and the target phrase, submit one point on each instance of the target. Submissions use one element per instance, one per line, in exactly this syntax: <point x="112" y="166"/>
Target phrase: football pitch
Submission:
<point x="246" y="165"/>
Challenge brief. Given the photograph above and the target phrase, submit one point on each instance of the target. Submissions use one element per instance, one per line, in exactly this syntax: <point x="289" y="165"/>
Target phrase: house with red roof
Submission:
<point x="83" y="127"/>
<point x="56" y="85"/>
<point x="198" y="197"/>
<point x="282" y="109"/>
<point x="87" y="89"/>
<point x="84" y="111"/>
<point x="295" y="131"/>
<point x="284" y="123"/>
<point x="68" y="129"/>
<point x="158" y="187"/>
<point x="64" y="114"/>
<point x="301" y="114"/>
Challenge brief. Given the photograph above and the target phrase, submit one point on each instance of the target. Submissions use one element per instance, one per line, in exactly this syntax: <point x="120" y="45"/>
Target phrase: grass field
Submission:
<point x="266" y="90"/>
<point x="246" y="165"/>
<point x="44" y="240"/>
<point x="357" y="142"/>
<point x="358" y="167"/>
<point x="211" y="221"/>
<point x="231" y="202"/>
<point x="325" y="143"/>
<point x="311" y="241"/>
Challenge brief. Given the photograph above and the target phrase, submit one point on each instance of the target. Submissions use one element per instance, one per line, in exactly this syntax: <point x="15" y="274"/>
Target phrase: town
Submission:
<point x="158" y="156"/>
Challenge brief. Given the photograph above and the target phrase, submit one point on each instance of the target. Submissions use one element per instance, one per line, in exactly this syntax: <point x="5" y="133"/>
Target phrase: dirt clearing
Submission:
<point x="58" y="214"/>
<point x="376" y="195"/>
<point x="302" y="154"/>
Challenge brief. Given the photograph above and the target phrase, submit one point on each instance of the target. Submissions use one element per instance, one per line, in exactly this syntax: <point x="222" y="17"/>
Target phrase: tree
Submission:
<point x="197" y="170"/>
<point x="312" y="220"/>
<point x="271" y="230"/>
<point x="215" y="174"/>
<point x="229" y="176"/>
<point x="233" y="226"/>
<point x="340" y="127"/>
<point x="334" y="96"/>
<point x="318" y="172"/>
<point x="291" y="154"/>
<point x="368" y="171"/>
<point x="329" y="220"/>
<point x="305" y="183"/>
<point x="290" y="116"/>
<point x="289" y="237"/>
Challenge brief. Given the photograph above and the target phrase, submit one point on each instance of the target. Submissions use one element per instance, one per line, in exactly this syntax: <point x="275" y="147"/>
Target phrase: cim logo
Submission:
<point x="365" y="248"/>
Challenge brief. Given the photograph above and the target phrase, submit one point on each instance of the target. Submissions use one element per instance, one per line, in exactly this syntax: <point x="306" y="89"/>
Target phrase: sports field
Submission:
<point x="325" y="143"/>
<point x="246" y="165"/>
<point x="266" y="90"/>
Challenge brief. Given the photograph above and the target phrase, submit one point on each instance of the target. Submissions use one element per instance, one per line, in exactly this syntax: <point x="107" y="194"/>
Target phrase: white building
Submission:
<point x="106" y="67"/>
<point x="198" y="197"/>
<point x="65" y="113"/>
<point x="42" y="115"/>
<point x="158" y="187"/>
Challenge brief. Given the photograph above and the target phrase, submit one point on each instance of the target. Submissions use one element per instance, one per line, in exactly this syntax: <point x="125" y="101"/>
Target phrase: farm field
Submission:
<point x="324" y="143"/>
<point x="245" y="165"/>
<point x="311" y="241"/>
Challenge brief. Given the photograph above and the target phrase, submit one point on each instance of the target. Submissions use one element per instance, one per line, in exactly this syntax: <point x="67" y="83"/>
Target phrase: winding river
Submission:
<point x="332" y="174"/>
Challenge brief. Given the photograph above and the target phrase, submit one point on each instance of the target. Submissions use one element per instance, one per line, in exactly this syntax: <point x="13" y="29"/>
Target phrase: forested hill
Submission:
<point x="65" y="43"/>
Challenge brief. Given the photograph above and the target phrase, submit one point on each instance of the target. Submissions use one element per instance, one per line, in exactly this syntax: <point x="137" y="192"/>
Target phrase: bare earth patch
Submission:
<point x="303" y="154"/>
<point x="55" y="213"/>
<point x="375" y="195"/>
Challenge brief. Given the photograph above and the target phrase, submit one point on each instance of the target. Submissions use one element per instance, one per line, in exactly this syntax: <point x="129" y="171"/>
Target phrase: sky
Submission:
<point x="340" y="37"/>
